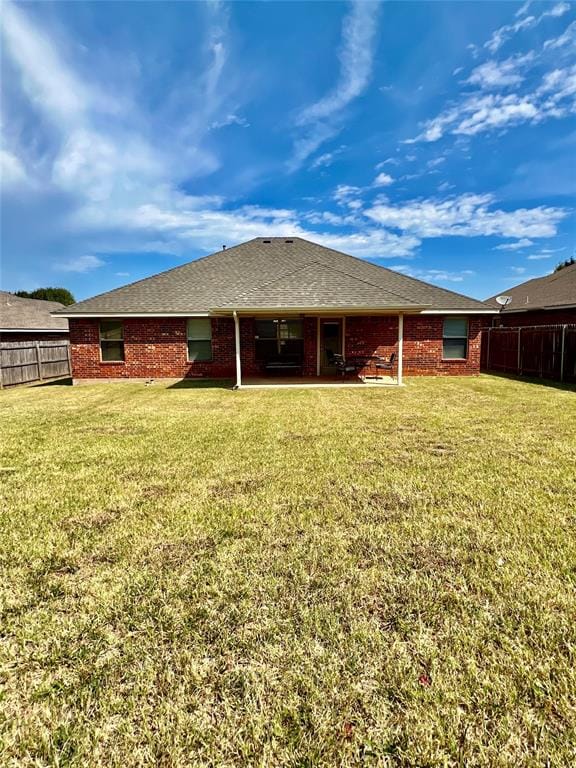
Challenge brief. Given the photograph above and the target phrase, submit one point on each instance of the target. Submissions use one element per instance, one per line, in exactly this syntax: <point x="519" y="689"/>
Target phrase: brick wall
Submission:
<point x="422" y="351"/>
<point x="551" y="317"/>
<point x="157" y="347"/>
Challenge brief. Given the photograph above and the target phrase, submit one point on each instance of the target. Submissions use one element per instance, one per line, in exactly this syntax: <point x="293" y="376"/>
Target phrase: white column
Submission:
<point x="237" y="344"/>
<point x="400" y="347"/>
<point x="318" y="352"/>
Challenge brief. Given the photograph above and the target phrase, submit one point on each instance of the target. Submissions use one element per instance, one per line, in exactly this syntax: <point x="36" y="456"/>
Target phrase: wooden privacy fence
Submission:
<point x="544" y="351"/>
<point x="25" y="362"/>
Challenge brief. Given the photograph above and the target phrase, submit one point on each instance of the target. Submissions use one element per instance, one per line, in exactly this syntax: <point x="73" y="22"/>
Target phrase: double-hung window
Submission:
<point x="111" y="341"/>
<point x="455" y="338"/>
<point x="199" y="339"/>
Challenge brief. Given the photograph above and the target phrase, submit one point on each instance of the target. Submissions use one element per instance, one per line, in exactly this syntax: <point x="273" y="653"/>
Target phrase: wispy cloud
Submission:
<point x="327" y="159"/>
<point x="79" y="264"/>
<point x="383" y="180"/>
<point x="230" y="119"/>
<point x="321" y="120"/>
<point x="503" y="34"/>
<point x="539" y="256"/>
<point x="435" y="275"/>
<point x="468" y="216"/>
<point x="568" y="37"/>
<point x="518" y="245"/>
<point x="498" y="74"/>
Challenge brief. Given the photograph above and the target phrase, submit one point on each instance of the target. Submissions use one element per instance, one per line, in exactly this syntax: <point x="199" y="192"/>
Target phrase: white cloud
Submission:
<point x="498" y="74"/>
<point x="518" y="270"/>
<point x="568" y="37"/>
<point x="468" y="216"/>
<point x="122" y="274"/>
<point x="319" y="120"/>
<point x="502" y="35"/>
<point x="388" y="161"/>
<point x="325" y="160"/>
<point x="435" y="275"/>
<point x="12" y="171"/>
<point x="230" y="119"/>
<point x="516" y="246"/>
<point x="79" y="264"/>
<point x="523" y="10"/>
<point x="539" y="256"/>
<point x="383" y="180"/>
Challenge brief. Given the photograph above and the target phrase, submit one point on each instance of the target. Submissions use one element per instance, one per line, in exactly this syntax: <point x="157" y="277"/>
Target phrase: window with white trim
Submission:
<point x="111" y="341"/>
<point x="455" y="338"/>
<point x="199" y="339"/>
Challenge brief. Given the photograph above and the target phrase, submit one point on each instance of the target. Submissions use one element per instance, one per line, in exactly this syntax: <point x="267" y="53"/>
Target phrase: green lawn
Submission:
<point x="375" y="577"/>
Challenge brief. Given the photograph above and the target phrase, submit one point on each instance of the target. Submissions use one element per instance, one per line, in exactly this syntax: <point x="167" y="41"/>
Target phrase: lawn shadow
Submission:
<point x="202" y="384"/>
<point x="566" y="386"/>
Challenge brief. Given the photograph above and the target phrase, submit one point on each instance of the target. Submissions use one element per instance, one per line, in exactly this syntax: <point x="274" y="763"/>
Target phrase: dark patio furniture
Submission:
<point x="343" y="366"/>
<point x="382" y="364"/>
<point x="283" y="366"/>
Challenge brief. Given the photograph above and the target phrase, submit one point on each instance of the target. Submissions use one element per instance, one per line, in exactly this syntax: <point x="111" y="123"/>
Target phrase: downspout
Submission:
<point x="237" y="345"/>
<point x="400" y="348"/>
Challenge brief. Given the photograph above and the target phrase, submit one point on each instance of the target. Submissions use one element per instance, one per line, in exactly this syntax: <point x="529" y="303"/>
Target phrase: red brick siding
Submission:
<point x="423" y="347"/>
<point x="551" y="317"/>
<point x="157" y="347"/>
<point x="422" y="350"/>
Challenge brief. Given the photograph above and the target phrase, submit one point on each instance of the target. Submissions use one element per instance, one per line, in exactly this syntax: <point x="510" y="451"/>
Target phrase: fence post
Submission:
<point x="488" y="350"/>
<point x="38" y="360"/>
<point x="69" y="358"/>
<point x="562" y="353"/>
<point x="519" y="365"/>
<point x="1" y="379"/>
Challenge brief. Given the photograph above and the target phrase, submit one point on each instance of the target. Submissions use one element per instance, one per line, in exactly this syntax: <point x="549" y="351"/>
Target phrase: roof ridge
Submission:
<point x="394" y="272"/>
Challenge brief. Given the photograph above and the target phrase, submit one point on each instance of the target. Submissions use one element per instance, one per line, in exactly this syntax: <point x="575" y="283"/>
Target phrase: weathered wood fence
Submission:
<point x="25" y="362"/>
<point x="541" y="351"/>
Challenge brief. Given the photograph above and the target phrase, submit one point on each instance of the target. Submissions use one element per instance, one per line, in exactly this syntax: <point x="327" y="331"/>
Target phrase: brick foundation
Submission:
<point x="156" y="348"/>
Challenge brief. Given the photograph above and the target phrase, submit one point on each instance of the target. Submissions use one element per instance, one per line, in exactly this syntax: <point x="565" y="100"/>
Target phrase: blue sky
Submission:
<point x="434" y="138"/>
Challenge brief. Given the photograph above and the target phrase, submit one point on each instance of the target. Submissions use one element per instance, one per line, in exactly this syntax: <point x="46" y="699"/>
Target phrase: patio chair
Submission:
<point x="340" y="364"/>
<point x="382" y="364"/>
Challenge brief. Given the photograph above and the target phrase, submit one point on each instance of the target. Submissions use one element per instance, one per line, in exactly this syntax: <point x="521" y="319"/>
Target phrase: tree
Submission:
<point x="62" y="295"/>
<point x="565" y="263"/>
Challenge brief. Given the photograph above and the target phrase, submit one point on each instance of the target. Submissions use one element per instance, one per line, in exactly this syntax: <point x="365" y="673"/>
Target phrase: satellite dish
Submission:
<point x="503" y="300"/>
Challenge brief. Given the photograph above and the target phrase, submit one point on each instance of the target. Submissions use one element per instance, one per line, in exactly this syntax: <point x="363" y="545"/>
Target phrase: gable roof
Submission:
<point x="554" y="291"/>
<point x="274" y="272"/>
<point x="19" y="314"/>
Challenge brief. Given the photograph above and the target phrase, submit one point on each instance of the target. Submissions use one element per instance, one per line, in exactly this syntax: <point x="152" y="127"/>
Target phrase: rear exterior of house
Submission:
<point x="548" y="300"/>
<point x="274" y="306"/>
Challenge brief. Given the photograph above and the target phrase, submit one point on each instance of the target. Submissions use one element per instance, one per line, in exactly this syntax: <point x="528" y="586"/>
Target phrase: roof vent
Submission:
<point x="266" y="241"/>
<point x="288" y="241"/>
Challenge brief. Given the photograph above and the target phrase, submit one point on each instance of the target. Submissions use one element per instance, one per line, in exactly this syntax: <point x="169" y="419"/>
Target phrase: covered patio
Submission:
<point x="296" y="348"/>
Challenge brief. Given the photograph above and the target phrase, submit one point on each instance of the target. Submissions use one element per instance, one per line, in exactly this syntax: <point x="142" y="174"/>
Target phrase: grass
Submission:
<point x="288" y="578"/>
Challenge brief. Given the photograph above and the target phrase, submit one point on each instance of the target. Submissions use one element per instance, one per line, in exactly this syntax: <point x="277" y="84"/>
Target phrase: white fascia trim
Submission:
<point x="460" y="312"/>
<point x="33" y="330"/>
<point x="132" y="314"/>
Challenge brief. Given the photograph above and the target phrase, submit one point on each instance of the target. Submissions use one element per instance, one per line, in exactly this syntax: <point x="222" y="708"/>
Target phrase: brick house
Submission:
<point x="548" y="300"/>
<point x="275" y="306"/>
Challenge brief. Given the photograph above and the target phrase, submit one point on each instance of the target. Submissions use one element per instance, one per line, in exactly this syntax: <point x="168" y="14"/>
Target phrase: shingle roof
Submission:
<point x="18" y="314"/>
<point x="275" y="272"/>
<point x="549" y="292"/>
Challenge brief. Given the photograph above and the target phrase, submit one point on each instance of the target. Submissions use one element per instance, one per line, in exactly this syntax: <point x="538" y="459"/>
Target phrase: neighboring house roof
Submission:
<point x="274" y="272"/>
<point x="18" y="314"/>
<point x="555" y="291"/>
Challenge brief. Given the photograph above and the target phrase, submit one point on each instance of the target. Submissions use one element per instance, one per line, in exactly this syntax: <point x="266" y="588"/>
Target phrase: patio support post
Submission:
<point x="237" y="345"/>
<point x="318" y="351"/>
<point x="562" y="353"/>
<point x="400" y="347"/>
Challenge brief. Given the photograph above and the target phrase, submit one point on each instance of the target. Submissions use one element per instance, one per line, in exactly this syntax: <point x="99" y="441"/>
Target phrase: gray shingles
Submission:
<point x="549" y="292"/>
<point x="20" y="314"/>
<point x="226" y="277"/>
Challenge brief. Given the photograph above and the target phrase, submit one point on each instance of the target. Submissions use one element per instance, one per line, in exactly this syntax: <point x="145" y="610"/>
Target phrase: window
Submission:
<point x="455" y="338"/>
<point x="111" y="341"/>
<point x="279" y="339"/>
<point x="199" y="339"/>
